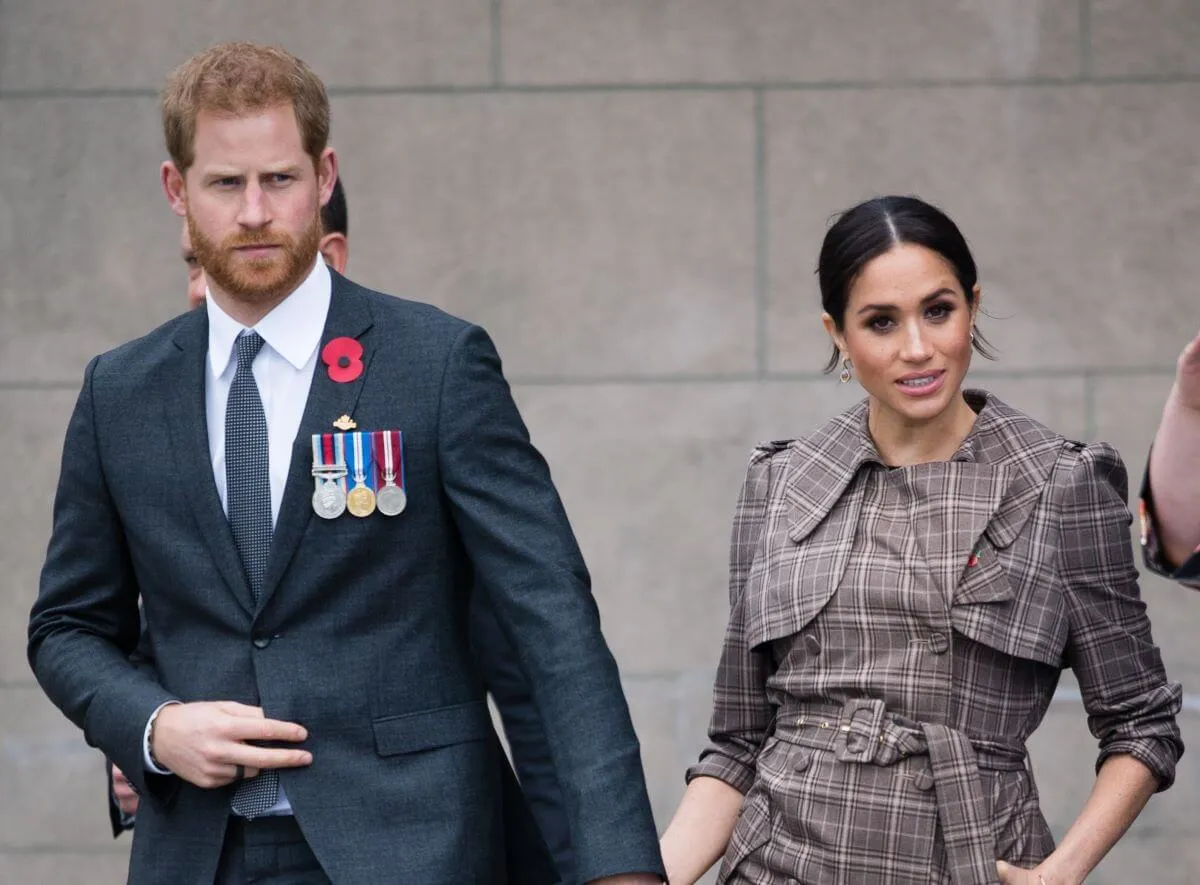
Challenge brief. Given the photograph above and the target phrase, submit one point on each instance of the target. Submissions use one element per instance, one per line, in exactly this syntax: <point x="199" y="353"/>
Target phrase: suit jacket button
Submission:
<point x="262" y="641"/>
<point x="939" y="644"/>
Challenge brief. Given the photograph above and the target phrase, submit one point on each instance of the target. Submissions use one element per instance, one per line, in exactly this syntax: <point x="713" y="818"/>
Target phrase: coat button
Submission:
<point x="803" y="758"/>
<point x="262" y="641"/>
<point x="812" y="645"/>
<point x="939" y="643"/>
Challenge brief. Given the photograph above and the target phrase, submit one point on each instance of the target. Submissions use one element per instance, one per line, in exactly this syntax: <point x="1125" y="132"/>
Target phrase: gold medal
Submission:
<point x="360" y="500"/>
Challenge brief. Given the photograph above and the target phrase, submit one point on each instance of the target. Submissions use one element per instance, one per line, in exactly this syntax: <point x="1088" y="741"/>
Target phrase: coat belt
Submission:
<point x="862" y="731"/>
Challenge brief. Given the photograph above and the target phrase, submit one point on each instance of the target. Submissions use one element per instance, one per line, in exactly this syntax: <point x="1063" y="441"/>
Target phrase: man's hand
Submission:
<point x="1187" y="376"/>
<point x="204" y="743"/>
<point x="127" y="799"/>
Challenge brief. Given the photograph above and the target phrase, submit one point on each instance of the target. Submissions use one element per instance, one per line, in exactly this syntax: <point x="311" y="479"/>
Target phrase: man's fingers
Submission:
<point x="254" y="758"/>
<point x="233" y="708"/>
<point x="246" y="728"/>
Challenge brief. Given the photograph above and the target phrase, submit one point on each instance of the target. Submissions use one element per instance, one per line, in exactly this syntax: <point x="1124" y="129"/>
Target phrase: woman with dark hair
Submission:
<point x="907" y="584"/>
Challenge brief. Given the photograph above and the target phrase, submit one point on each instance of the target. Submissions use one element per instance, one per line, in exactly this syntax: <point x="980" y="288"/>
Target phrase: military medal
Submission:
<point x="360" y="500"/>
<point x="391" y="498"/>
<point x="329" y="475"/>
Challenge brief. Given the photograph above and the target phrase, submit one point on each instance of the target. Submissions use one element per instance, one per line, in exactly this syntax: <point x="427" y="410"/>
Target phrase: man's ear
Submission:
<point x="175" y="188"/>
<point x="335" y="248"/>
<point x="327" y="173"/>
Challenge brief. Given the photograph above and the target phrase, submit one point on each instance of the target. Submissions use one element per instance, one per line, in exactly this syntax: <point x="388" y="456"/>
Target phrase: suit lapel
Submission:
<point x="188" y="426"/>
<point x="350" y="317"/>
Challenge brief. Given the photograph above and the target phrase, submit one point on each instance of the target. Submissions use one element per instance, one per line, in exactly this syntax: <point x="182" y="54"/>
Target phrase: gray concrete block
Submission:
<point x="58" y="777"/>
<point x="33" y="439"/>
<point x="1144" y="37"/>
<point x="650" y="474"/>
<point x="1081" y="266"/>
<point x="55" y="867"/>
<point x="133" y="44"/>
<point x="1057" y="402"/>
<point x="92" y="250"/>
<point x="624" y="41"/>
<point x="1127" y="410"/>
<point x="593" y="235"/>
<point x="653" y="704"/>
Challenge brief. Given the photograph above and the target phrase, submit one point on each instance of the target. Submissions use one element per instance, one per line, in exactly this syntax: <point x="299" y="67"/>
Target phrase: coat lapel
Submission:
<point x="188" y="426"/>
<point x="350" y="317"/>
<point x="952" y="503"/>
<point x="810" y="529"/>
<point x="989" y="490"/>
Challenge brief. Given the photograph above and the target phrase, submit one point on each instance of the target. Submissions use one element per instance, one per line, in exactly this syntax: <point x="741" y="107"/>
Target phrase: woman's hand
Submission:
<point x="1010" y="875"/>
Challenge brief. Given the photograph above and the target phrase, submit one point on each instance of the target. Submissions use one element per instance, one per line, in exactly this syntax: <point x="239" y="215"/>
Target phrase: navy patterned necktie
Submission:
<point x="248" y="492"/>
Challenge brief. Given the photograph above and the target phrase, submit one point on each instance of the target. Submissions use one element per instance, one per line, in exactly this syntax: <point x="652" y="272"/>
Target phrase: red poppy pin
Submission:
<point x="343" y="356"/>
<point x="973" y="559"/>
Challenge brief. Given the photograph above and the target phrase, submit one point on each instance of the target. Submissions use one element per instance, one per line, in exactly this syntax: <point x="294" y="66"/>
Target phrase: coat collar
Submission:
<point x="1019" y="451"/>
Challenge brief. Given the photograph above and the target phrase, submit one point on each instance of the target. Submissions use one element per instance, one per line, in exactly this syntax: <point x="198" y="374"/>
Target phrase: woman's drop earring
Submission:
<point x="846" y="373"/>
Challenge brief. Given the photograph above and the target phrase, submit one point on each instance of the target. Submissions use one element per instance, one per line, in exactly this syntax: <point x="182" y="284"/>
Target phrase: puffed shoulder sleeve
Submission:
<point x="1131" y="704"/>
<point x="741" y="711"/>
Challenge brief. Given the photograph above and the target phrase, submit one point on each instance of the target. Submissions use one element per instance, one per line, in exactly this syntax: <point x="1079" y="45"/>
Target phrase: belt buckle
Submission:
<point x="859" y="730"/>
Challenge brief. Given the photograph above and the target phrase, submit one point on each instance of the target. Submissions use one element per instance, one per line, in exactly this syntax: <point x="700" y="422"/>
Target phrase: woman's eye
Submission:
<point x="939" y="311"/>
<point x="880" y="324"/>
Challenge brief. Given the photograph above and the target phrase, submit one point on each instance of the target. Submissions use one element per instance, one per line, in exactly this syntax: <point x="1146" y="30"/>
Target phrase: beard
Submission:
<point x="255" y="280"/>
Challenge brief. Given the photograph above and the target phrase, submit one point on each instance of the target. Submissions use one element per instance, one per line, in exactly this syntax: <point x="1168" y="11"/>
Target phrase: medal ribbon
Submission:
<point x="328" y="453"/>
<point x="388" y="449"/>
<point x="362" y="469"/>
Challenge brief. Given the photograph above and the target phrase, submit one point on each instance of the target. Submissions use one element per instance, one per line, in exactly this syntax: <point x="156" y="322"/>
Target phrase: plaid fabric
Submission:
<point x="952" y="593"/>
<point x="1188" y="572"/>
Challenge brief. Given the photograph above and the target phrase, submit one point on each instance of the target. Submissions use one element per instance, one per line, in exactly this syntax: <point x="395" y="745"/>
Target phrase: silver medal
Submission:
<point x="391" y="500"/>
<point x="329" y="496"/>
<point x="329" y="500"/>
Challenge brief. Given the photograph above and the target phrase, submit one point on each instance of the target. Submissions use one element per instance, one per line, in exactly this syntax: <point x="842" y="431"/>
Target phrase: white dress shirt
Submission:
<point x="283" y="371"/>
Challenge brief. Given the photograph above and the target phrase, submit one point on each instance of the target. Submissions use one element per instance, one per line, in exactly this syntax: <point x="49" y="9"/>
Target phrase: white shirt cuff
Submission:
<point x="150" y="766"/>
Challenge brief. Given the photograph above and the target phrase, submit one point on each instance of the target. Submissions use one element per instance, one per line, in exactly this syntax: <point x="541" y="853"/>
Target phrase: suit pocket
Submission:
<point x="429" y="729"/>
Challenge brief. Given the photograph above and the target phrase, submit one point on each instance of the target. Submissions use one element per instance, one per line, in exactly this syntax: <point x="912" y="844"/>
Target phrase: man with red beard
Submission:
<point x="497" y="659"/>
<point x="311" y="710"/>
<point x="335" y="249"/>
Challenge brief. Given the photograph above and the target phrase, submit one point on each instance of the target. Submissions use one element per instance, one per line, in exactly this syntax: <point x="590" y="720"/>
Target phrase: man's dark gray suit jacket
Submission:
<point x="360" y="634"/>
